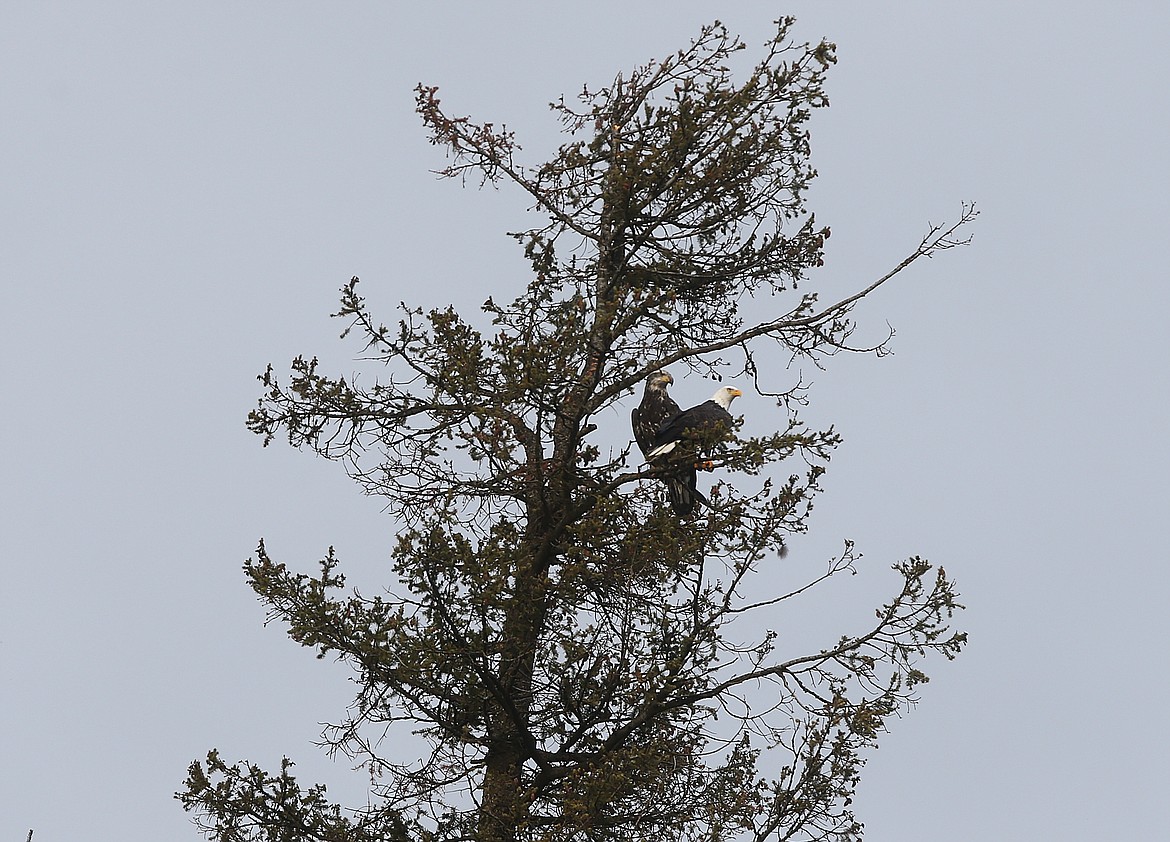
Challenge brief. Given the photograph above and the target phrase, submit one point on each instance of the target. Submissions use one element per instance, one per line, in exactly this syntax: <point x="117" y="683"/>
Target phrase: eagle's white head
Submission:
<point x="725" y="396"/>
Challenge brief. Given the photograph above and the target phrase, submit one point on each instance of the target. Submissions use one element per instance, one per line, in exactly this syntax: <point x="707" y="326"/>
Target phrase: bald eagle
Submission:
<point x="656" y="409"/>
<point x="695" y="423"/>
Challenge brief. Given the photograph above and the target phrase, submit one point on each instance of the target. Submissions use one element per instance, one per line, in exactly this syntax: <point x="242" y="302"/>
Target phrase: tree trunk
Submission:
<point x="504" y="805"/>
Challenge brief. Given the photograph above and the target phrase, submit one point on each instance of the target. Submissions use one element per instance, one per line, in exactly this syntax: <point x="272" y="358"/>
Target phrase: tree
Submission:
<point x="561" y="641"/>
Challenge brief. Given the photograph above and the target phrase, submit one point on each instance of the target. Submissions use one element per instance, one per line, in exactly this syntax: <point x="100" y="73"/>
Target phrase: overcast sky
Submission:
<point x="185" y="187"/>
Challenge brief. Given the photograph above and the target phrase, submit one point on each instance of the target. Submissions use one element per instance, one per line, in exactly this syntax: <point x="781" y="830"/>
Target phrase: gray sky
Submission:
<point x="187" y="186"/>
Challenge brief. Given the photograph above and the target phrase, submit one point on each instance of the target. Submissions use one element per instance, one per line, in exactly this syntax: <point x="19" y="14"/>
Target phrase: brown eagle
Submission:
<point x="655" y="411"/>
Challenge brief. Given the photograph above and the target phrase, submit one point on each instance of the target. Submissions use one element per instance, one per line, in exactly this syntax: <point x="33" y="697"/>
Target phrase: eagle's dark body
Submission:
<point x="656" y="410"/>
<point x="696" y="424"/>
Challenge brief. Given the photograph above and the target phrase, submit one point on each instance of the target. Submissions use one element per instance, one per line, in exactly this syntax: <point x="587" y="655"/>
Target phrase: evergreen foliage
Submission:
<point x="559" y="638"/>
